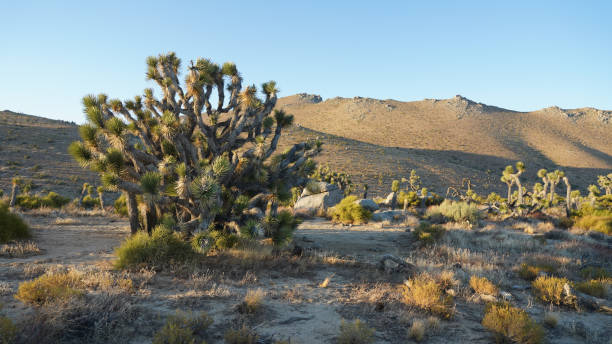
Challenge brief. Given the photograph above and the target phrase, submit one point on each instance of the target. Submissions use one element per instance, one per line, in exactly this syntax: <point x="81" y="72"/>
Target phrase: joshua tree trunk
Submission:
<point x="101" y="198"/>
<point x="14" y="195"/>
<point x="520" y="190"/>
<point x="568" y="197"/>
<point x="132" y="208"/>
<point x="405" y="204"/>
<point x="552" y="191"/>
<point x="509" y="193"/>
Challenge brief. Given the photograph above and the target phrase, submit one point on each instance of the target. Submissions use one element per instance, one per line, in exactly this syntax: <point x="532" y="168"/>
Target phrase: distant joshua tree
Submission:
<point x="510" y="177"/>
<point x="181" y="156"/>
<point x="16" y="182"/>
<point x="605" y="182"/>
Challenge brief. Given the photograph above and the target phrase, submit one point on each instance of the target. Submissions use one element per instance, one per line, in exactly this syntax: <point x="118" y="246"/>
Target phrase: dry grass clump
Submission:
<point x="5" y="288"/>
<point x="427" y="233"/>
<point x="482" y="285"/>
<point x="326" y="281"/>
<point x="551" y="319"/>
<point x="356" y="332"/>
<point x="424" y="292"/>
<point x="50" y="288"/>
<point x="65" y="221"/>
<point x="12" y="227"/>
<point x="253" y="301"/>
<point x="183" y="327"/>
<point x="511" y="323"/>
<point x="551" y="290"/>
<point x="19" y="249"/>
<point x="593" y="287"/>
<point x="347" y="211"/>
<point x="417" y="330"/>
<point x="242" y="335"/>
<point x="530" y="272"/>
<point x="100" y="318"/>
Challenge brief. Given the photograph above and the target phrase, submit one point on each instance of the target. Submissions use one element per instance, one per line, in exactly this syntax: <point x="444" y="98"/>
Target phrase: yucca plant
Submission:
<point x="605" y="182"/>
<point x="179" y="154"/>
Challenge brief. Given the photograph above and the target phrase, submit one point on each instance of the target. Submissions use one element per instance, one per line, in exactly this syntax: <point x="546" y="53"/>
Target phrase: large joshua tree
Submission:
<point x="179" y="155"/>
<point x="605" y="182"/>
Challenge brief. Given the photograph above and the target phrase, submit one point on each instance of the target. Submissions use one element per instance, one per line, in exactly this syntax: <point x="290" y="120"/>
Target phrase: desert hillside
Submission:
<point x="450" y="139"/>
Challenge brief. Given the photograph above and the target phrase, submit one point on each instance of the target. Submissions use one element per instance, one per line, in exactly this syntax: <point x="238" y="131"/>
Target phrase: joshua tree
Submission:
<point x="100" y="190"/>
<point x="365" y="191"/>
<point x="605" y="182"/>
<point x="509" y="180"/>
<point x="180" y="155"/>
<point x="84" y="190"/>
<point x="594" y="192"/>
<point x="415" y="181"/>
<point x="554" y="178"/>
<point x="16" y="182"/>
<point x="568" y="195"/>
<point x="543" y="173"/>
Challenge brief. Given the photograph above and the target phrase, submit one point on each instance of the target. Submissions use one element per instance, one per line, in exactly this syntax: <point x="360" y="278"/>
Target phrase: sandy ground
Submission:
<point x="295" y="306"/>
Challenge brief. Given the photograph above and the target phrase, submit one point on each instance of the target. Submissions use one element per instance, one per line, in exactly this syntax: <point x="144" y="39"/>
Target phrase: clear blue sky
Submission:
<point x="521" y="55"/>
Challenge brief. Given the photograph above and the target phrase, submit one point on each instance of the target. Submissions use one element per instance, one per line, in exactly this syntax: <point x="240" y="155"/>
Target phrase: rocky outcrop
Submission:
<point x="317" y="199"/>
<point x="367" y="204"/>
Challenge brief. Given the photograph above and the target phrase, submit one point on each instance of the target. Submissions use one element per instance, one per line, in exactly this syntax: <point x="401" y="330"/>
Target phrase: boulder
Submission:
<point x="368" y="204"/>
<point x="317" y="188"/>
<point x="387" y="215"/>
<point x="392" y="264"/>
<point x="311" y="204"/>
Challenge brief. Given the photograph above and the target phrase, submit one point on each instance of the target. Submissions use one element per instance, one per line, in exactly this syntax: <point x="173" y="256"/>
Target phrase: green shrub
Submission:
<point x="511" y="323"/>
<point x="160" y="248"/>
<point x="8" y="330"/>
<point x="411" y="197"/>
<point x="241" y="336"/>
<point x="51" y="200"/>
<point x="596" y="223"/>
<point x="550" y="290"/>
<point x="120" y="205"/>
<point x="280" y="228"/>
<point x="428" y="233"/>
<point x="49" y="288"/>
<point x="455" y="211"/>
<point x="591" y="272"/>
<point x="347" y="211"/>
<point x="12" y="226"/>
<point x="90" y="202"/>
<point x="593" y="287"/>
<point x="529" y="272"/>
<point x="356" y="332"/>
<point x="183" y="327"/>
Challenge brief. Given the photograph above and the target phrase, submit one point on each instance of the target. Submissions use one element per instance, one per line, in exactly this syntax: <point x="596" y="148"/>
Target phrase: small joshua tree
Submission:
<point x="179" y="155"/>
<point x="605" y="182"/>
<point x="509" y="180"/>
<point x="414" y="181"/>
<point x="514" y="177"/>
<point x="594" y="192"/>
<point x="16" y="182"/>
<point x="100" y="190"/>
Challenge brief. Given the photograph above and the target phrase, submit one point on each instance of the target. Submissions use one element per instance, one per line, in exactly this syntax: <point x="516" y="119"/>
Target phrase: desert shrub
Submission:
<point x="596" y="223"/>
<point x="356" y="332"/>
<point x="8" y="330"/>
<point x="455" y="211"/>
<point x="551" y="319"/>
<point x="593" y="287"/>
<point x="120" y="206"/>
<point x="160" y="248"/>
<point x="250" y="229"/>
<point x="428" y="233"/>
<point x="347" y="211"/>
<point x="51" y="200"/>
<point x="280" y="228"/>
<point x="12" y="227"/>
<point x="529" y="272"/>
<point x="242" y="335"/>
<point x="183" y="327"/>
<point x="591" y="272"/>
<point x="433" y="199"/>
<point x="411" y="197"/>
<point x="252" y="302"/>
<point x="424" y="292"/>
<point x="50" y="288"/>
<point x="511" y="323"/>
<point x="482" y="285"/>
<point x="550" y="290"/>
<point x="200" y="242"/>
<point x="90" y="201"/>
